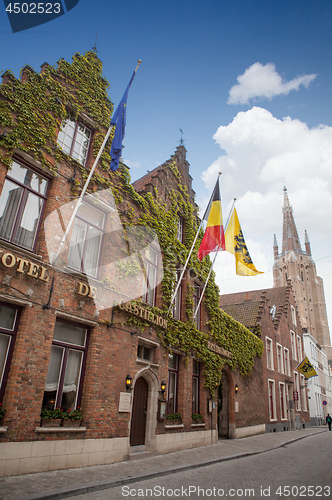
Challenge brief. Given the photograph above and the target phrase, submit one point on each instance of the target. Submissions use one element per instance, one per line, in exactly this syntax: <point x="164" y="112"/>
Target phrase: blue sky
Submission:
<point x="238" y="67"/>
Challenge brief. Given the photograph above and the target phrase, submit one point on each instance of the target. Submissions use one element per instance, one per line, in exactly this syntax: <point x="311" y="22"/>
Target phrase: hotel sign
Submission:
<point x="23" y="266"/>
<point x="218" y="350"/>
<point x="143" y="313"/>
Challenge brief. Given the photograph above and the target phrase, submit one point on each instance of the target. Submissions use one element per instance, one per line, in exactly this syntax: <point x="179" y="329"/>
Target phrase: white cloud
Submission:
<point x="262" y="154"/>
<point x="259" y="81"/>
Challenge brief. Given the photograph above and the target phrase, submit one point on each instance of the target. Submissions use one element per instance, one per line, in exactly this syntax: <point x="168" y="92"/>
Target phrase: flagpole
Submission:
<point x="208" y="277"/>
<point x="79" y="201"/>
<point x="185" y="266"/>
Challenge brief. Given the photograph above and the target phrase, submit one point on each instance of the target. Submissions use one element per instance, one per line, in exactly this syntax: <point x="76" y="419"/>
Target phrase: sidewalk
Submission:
<point x="61" y="484"/>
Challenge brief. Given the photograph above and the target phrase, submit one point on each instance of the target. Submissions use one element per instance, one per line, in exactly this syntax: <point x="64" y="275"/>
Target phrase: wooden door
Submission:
<point x="138" y="418"/>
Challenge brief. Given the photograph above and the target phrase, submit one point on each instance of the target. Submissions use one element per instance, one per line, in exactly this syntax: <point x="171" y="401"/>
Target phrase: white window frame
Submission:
<point x="83" y="245"/>
<point x="269" y="353"/>
<point x="297" y="389"/>
<point x="77" y="150"/>
<point x="179" y="229"/>
<point x="293" y="311"/>
<point x="293" y="344"/>
<point x="286" y="361"/>
<point x="299" y="347"/>
<point x="272" y="400"/>
<point x="282" y="396"/>
<point x="151" y="273"/>
<point x="280" y="358"/>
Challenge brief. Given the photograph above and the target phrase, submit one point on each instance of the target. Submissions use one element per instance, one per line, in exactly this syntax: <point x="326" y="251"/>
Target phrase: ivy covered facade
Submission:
<point x="89" y="331"/>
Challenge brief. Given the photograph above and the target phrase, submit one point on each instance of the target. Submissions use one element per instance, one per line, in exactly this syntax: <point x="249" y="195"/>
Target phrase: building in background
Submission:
<point x="319" y="387"/>
<point x="272" y="314"/>
<point x="298" y="266"/>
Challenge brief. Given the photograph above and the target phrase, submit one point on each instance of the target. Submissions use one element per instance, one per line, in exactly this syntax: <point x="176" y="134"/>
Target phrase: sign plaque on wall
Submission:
<point x="125" y="402"/>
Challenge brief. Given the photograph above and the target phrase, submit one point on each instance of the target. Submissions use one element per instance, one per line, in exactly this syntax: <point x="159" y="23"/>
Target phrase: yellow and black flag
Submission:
<point x="306" y="368"/>
<point x="236" y="245"/>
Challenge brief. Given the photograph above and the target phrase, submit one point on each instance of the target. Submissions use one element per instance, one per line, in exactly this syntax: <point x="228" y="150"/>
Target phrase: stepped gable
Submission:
<point x="246" y="307"/>
<point x="163" y="176"/>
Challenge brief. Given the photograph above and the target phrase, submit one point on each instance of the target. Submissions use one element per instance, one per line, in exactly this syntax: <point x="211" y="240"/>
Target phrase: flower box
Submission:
<point x="71" y="423"/>
<point x="51" y="422"/>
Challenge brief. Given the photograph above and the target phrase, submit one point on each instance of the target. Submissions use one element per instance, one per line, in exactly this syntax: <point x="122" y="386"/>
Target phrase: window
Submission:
<point x="8" y="327"/>
<point x="197" y="296"/>
<point x="272" y="400"/>
<point x="86" y="239"/>
<point x="299" y="348"/>
<point x="297" y="389"/>
<point x="150" y="263"/>
<point x="286" y="361"/>
<point x="269" y="353"/>
<point x="65" y="371"/>
<point x="280" y="359"/>
<point x="172" y="390"/>
<point x="293" y="344"/>
<point x="196" y="373"/>
<point x="177" y="298"/>
<point x="144" y="352"/>
<point x="179" y="233"/>
<point x="73" y="139"/>
<point x="283" y="409"/>
<point x="21" y="204"/>
<point x="293" y="315"/>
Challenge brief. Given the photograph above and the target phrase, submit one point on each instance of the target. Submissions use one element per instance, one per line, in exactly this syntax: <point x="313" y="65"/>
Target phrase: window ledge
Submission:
<point x="44" y="430"/>
<point x="145" y="362"/>
<point x="3" y="429"/>
<point x="198" y="425"/>
<point x="174" y="426"/>
<point x="19" y="250"/>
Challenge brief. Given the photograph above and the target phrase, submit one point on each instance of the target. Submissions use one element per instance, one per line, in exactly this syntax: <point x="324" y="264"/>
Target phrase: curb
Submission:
<point x="81" y="490"/>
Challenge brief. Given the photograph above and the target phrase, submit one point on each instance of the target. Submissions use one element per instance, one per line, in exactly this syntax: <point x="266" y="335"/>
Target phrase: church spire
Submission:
<point x="290" y="237"/>
<point x="307" y="243"/>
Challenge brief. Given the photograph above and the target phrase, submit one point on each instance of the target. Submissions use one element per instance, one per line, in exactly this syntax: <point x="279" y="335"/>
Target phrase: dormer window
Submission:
<point x="74" y="139"/>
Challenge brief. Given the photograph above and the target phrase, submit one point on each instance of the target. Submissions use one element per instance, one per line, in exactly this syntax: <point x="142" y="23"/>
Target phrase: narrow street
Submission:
<point x="297" y="470"/>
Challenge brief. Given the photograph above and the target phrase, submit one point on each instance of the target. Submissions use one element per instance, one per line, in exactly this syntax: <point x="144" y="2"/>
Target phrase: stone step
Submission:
<point x="138" y="452"/>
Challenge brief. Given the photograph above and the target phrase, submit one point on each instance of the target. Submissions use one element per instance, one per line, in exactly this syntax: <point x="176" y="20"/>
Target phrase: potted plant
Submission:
<point x="197" y="417"/>
<point x="2" y="412"/>
<point x="72" y="418"/>
<point x="51" y="418"/>
<point x="174" y="418"/>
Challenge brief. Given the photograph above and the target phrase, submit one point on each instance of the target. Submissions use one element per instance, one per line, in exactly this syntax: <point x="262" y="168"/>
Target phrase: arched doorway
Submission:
<point x="139" y="411"/>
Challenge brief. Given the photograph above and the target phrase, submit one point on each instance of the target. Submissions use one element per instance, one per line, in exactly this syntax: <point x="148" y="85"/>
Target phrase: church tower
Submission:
<point x="297" y="265"/>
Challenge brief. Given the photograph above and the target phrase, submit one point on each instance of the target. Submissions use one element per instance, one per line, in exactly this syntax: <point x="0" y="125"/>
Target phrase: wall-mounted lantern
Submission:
<point x="128" y="382"/>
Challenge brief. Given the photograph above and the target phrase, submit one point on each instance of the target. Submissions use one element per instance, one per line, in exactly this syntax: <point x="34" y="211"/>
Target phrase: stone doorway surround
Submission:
<point x="152" y="404"/>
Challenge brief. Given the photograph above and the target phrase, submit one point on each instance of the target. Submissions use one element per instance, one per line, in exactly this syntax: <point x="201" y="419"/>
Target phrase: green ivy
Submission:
<point x="223" y="330"/>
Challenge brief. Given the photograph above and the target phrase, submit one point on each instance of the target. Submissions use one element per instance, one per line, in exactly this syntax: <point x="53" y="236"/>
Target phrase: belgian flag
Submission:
<point x="214" y="238"/>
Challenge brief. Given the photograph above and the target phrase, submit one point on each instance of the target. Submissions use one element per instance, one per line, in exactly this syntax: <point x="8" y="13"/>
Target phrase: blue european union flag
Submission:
<point x="119" y="121"/>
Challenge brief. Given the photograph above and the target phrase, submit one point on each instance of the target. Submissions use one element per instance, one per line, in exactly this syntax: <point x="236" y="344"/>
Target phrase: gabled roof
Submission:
<point x="246" y="307"/>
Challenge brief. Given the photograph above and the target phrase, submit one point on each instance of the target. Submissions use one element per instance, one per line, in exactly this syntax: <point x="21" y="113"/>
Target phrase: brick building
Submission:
<point x="88" y="329"/>
<point x="272" y="314"/>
